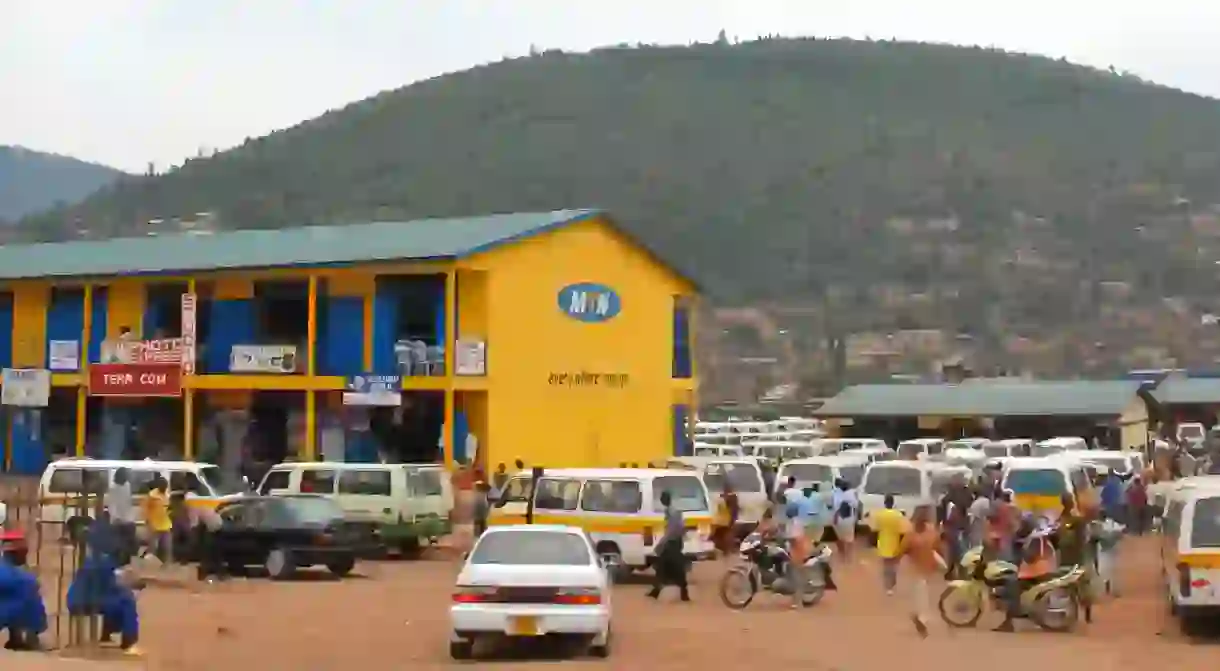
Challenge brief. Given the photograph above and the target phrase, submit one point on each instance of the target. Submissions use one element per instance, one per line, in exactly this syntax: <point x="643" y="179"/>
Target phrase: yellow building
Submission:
<point x="553" y="338"/>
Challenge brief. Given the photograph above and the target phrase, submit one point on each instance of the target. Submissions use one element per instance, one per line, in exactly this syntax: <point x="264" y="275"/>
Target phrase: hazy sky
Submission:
<point x="126" y="82"/>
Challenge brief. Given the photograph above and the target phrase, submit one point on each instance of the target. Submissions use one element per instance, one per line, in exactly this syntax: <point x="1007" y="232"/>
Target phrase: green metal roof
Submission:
<point x="984" y="398"/>
<point x="282" y="247"/>
<point x="1188" y="390"/>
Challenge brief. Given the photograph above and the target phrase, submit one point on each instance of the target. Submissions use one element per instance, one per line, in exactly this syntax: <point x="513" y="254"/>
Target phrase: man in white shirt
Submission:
<point x="121" y="510"/>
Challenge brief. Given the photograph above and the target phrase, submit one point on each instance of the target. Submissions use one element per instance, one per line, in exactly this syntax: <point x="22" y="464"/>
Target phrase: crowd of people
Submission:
<point x="930" y="544"/>
<point x="106" y="581"/>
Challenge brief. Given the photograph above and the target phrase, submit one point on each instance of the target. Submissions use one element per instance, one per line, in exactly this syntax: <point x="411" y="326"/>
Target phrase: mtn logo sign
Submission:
<point x="589" y="302"/>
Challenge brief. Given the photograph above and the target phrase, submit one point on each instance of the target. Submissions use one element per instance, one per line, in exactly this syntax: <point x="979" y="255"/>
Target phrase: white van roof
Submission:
<point x="829" y="460"/>
<point x="922" y="441"/>
<point x="134" y="464"/>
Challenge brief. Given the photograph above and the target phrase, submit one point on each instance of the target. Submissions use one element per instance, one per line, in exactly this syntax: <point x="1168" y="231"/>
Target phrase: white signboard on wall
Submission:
<point x="63" y="355"/>
<point x="470" y="357"/>
<point x="25" y="387"/>
<point x="263" y="359"/>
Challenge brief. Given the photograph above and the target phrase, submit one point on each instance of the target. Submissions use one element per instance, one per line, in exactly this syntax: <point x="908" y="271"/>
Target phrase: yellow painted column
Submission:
<point x="82" y="392"/>
<point x="450" y="336"/>
<point x="369" y="297"/>
<point x="188" y="394"/>
<point x="311" y="398"/>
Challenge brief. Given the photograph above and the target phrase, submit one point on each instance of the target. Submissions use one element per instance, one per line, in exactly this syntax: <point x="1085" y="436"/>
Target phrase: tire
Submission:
<point x="279" y="564"/>
<point x="960" y="592"/>
<point x="341" y="567"/>
<point x="1040" y="611"/>
<point x="737" y="577"/>
<point x="602" y="651"/>
<point x="461" y="650"/>
<point x="1191" y="625"/>
<point x="410" y="548"/>
<point x="612" y="557"/>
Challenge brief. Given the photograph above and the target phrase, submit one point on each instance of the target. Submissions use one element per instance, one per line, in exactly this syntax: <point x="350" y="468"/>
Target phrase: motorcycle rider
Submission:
<point x="1037" y="560"/>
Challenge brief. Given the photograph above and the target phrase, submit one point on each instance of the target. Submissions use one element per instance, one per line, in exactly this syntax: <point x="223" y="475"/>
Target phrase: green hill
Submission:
<point x="771" y="169"/>
<point x="32" y="181"/>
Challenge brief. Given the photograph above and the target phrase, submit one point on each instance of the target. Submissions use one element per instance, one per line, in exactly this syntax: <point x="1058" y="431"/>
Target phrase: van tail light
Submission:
<point x="647" y="533"/>
<point x="1184" y="582"/>
<point x="577" y="596"/>
<point x="474" y="594"/>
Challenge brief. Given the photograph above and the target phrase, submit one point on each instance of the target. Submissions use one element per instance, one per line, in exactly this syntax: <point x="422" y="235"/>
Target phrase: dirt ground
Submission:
<point x="394" y="616"/>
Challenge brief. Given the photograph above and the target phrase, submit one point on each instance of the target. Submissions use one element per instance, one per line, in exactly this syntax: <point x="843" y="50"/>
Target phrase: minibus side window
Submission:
<point x="612" y="496"/>
<point x="516" y="491"/>
<point x="557" y="494"/>
<point x="317" y="481"/>
<point x="187" y="482"/>
<point x="142" y="480"/>
<point x="1205" y="523"/>
<point x="274" y="480"/>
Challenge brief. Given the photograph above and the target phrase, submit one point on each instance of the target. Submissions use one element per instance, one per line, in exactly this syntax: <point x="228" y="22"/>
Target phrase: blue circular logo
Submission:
<point x="589" y="302"/>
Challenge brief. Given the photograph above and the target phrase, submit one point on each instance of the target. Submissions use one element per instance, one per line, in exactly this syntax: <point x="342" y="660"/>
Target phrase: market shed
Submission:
<point x="1189" y="399"/>
<point x="1116" y="412"/>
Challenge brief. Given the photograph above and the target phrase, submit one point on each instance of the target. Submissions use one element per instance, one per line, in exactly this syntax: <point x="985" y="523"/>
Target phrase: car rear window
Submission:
<point x="365" y="483"/>
<point x="995" y="450"/>
<point x="522" y="547"/>
<point x="808" y="473"/>
<point x="308" y="511"/>
<point x="896" y="480"/>
<point x="1205" y="529"/>
<point x="1040" y="482"/>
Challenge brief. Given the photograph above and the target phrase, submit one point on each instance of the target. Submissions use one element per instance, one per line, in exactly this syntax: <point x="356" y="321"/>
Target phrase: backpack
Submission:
<point x="845" y="509"/>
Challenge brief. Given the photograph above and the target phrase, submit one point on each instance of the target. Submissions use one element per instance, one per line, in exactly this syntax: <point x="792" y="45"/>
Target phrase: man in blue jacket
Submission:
<point x="97" y="590"/>
<point x="21" y="609"/>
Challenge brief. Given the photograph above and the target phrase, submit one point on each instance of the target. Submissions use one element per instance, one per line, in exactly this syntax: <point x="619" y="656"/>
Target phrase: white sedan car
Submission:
<point x="531" y="580"/>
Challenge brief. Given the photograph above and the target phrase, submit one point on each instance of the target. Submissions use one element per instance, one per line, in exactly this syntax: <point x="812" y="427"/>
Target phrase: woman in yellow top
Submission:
<point x="727" y="511"/>
<point x="889" y="525"/>
<point x="160" y="525"/>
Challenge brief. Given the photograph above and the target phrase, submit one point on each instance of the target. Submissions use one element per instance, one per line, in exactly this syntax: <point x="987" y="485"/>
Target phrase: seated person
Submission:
<point x="96" y="589"/>
<point x="21" y="609"/>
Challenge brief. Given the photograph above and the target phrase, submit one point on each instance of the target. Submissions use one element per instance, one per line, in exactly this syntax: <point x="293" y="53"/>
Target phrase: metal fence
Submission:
<point x="52" y="547"/>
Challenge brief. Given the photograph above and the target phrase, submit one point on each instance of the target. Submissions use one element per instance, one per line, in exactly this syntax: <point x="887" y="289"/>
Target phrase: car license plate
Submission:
<point x="523" y="625"/>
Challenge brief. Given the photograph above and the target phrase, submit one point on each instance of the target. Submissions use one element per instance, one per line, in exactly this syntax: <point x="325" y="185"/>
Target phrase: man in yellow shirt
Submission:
<point x="889" y="525"/>
<point x="160" y="525"/>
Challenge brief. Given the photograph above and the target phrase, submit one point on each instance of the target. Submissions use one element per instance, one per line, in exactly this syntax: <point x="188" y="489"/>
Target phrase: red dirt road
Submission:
<point x="396" y="618"/>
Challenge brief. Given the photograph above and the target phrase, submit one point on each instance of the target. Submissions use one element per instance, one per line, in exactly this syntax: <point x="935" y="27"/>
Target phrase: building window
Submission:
<point x="682" y="360"/>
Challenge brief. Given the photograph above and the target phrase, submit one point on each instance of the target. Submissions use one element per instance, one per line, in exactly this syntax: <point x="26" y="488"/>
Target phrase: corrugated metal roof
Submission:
<point x="992" y="398"/>
<point x="282" y="247"/>
<point x="1186" y="390"/>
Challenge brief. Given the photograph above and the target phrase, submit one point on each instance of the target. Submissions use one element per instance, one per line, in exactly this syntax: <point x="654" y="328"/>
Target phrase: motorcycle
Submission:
<point x="1053" y="603"/>
<point x="764" y="567"/>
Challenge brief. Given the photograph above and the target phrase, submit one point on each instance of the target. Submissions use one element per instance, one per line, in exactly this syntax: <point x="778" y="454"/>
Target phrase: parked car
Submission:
<point x="531" y="580"/>
<point x="284" y="533"/>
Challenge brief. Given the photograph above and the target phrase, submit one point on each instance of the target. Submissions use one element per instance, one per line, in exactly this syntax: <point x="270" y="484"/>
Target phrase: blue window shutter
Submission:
<point x="98" y="322"/>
